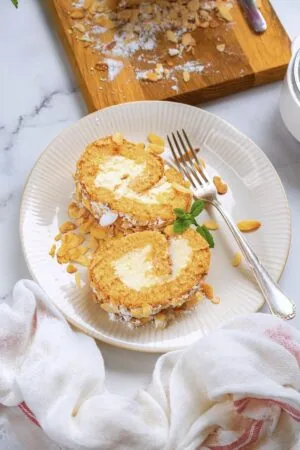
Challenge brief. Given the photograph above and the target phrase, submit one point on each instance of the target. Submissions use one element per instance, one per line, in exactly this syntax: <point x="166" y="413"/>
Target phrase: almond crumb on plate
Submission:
<point x="154" y="139"/>
<point x="207" y="289"/>
<point x="71" y="268"/>
<point x="67" y="226"/>
<point x="52" y="251"/>
<point x="220" y="48"/>
<point x="236" y="260"/>
<point x="186" y="76"/>
<point x="248" y="225"/>
<point x="215" y="300"/>
<point x="211" y="225"/>
<point x="221" y="187"/>
<point x="58" y="237"/>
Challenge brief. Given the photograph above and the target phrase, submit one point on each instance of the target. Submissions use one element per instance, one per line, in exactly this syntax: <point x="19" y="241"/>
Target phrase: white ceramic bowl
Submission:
<point x="290" y="96"/>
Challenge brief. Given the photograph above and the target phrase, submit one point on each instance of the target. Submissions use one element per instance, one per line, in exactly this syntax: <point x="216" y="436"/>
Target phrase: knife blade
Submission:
<point x="254" y="16"/>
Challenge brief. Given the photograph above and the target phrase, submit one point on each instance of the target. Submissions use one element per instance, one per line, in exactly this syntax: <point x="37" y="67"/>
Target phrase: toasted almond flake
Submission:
<point x="58" y="237"/>
<point x="71" y="268"/>
<point x="105" y="22"/>
<point x="160" y="321"/>
<point x="248" y="225"/>
<point x="221" y="187"/>
<point x="154" y="139"/>
<point x="52" y="250"/>
<point x="215" y="300"/>
<point x="204" y="24"/>
<point x="108" y="307"/>
<point x="236" y="260"/>
<point x="150" y="75"/>
<point x="220" y="48"/>
<point x="83" y="261"/>
<point x="211" y="225"/>
<point x="173" y="52"/>
<point x="180" y="188"/>
<point x="72" y="240"/>
<point x="79" y="27"/>
<point x="169" y="230"/>
<point x="87" y="225"/>
<point x="67" y="226"/>
<point x="77" y="279"/>
<point x="75" y="211"/>
<point x="118" y="138"/>
<point x="207" y="289"/>
<point x="77" y="13"/>
<point x="224" y="10"/>
<point x="186" y="76"/>
<point x="187" y="39"/>
<point x="171" y="36"/>
<point x="154" y="148"/>
<point x="159" y="68"/>
<point x="93" y="243"/>
<point x="98" y="232"/>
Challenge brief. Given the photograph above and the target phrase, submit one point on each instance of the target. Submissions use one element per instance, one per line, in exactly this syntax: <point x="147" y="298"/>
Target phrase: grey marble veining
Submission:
<point x="39" y="98"/>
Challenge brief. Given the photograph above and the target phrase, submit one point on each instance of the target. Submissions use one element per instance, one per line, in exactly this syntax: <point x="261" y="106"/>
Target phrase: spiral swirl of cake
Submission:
<point x="123" y="182"/>
<point x="146" y="273"/>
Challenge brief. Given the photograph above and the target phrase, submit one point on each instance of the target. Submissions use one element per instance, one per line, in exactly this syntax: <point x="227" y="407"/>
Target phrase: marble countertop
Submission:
<point x="39" y="98"/>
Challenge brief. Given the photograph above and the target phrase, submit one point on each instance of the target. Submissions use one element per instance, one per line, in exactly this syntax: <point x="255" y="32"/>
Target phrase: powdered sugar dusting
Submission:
<point x="114" y="68"/>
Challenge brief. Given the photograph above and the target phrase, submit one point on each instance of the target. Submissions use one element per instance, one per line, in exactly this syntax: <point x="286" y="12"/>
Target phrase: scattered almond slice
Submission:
<point x="104" y="22"/>
<point x="187" y="39"/>
<point x="180" y="188"/>
<point x="154" y="148"/>
<point x="75" y="211"/>
<point x="118" y="138"/>
<point x="98" y="232"/>
<point x="171" y="36"/>
<point x="93" y="243"/>
<point x="221" y="48"/>
<point x="87" y="225"/>
<point x="79" y="27"/>
<point x="186" y="76"/>
<point x="215" y="300"/>
<point x="248" y="225"/>
<point x="154" y="139"/>
<point x="83" y="261"/>
<point x="72" y="240"/>
<point x="77" y="13"/>
<point x="236" y="260"/>
<point x="52" y="251"/>
<point x="208" y="291"/>
<point x="221" y="187"/>
<point x="58" y="237"/>
<point x="67" y="226"/>
<point x="224" y="10"/>
<point x="211" y="225"/>
<point x="77" y="279"/>
<point x="71" y="268"/>
<point x="151" y="75"/>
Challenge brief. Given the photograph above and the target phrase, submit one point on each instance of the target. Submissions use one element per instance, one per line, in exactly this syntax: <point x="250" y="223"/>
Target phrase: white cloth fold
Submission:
<point x="237" y="388"/>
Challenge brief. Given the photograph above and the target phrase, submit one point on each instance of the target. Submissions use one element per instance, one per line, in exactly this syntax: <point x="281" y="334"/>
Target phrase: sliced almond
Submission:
<point x="93" y="243"/>
<point x="77" y="279"/>
<point x="171" y="36"/>
<point x="154" y="139"/>
<point x="77" y="13"/>
<point x="52" y="251"/>
<point x="98" y="232"/>
<point x="187" y="39"/>
<point x="186" y="76"/>
<point x="67" y="226"/>
<point x="72" y="240"/>
<point x="211" y="225"/>
<point x="87" y="224"/>
<point x="236" y="260"/>
<point x="160" y="321"/>
<point x="221" y="48"/>
<point x="248" y="225"/>
<point x="75" y="211"/>
<point x="215" y="300"/>
<point x="101" y="66"/>
<point x="105" y="22"/>
<point x="208" y="291"/>
<point x="154" y="148"/>
<point x="179" y="188"/>
<point x="151" y="75"/>
<point x="71" y="268"/>
<point x="204" y="24"/>
<point x="79" y="27"/>
<point x="221" y="187"/>
<point x="224" y="10"/>
<point x="109" y="308"/>
<point x="83" y="261"/>
<point x="58" y="237"/>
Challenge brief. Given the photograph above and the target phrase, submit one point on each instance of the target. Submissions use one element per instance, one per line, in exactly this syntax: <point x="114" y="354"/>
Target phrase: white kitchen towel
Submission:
<point x="238" y="388"/>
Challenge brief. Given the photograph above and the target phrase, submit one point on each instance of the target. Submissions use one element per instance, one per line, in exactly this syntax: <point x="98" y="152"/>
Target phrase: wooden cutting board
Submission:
<point x="248" y="60"/>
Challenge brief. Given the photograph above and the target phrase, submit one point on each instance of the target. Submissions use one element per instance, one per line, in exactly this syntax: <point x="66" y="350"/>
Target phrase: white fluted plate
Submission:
<point x="255" y="193"/>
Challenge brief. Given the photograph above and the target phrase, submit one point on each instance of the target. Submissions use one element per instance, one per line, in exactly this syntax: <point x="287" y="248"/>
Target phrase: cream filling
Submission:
<point x="135" y="269"/>
<point x="117" y="172"/>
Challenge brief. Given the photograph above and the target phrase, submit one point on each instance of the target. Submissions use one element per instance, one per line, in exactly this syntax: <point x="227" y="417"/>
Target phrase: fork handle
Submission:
<point x="279" y="305"/>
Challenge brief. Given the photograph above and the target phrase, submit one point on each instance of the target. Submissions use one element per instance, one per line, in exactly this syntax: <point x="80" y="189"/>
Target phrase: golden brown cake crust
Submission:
<point x="108" y="286"/>
<point x="155" y="171"/>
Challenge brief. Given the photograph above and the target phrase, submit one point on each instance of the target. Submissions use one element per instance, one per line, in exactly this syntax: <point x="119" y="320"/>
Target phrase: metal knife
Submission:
<point x="254" y="16"/>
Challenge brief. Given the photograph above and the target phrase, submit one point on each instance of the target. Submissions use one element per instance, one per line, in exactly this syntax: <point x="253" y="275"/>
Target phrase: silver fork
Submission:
<point x="203" y="188"/>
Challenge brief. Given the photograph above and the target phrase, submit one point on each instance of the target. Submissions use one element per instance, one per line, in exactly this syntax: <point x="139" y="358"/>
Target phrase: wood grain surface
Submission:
<point x="248" y="60"/>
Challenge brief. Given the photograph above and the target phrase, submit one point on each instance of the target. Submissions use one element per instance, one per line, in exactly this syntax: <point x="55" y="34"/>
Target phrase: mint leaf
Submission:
<point x="179" y="212"/>
<point x="206" y="234"/>
<point x="180" y="225"/>
<point x="15" y="3"/>
<point x="197" y="207"/>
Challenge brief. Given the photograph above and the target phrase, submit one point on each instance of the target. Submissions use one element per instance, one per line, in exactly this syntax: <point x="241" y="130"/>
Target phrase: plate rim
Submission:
<point x="109" y="340"/>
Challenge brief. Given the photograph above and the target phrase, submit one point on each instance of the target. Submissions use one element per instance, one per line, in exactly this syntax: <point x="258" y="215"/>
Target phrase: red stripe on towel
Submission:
<point x="24" y="408"/>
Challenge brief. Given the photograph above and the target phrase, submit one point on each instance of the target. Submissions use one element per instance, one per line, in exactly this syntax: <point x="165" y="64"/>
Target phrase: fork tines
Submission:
<point x="186" y="158"/>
